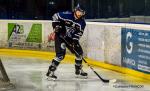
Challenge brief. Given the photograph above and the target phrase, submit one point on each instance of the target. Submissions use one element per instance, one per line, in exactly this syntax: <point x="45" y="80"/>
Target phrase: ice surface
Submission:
<point x="28" y="74"/>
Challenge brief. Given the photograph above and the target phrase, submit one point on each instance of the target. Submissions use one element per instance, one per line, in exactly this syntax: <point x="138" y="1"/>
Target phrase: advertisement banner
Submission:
<point x="24" y="35"/>
<point x="135" y="48"/>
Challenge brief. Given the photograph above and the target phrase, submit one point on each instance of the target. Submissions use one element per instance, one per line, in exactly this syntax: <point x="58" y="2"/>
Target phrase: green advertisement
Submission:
<point x="16" y="28"/>
<point x="35" y="34"/>
<point x="10" y="29"/>
<point x="25" y="32"/>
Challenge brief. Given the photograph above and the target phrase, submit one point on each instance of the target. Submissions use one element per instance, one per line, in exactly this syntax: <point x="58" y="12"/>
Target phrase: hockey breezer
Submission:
<point x="104" y="80"/>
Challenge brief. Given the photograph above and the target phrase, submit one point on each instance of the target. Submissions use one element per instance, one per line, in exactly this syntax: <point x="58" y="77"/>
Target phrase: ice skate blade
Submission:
<point x="81" y="77"/>
<point x="51" y="79"/>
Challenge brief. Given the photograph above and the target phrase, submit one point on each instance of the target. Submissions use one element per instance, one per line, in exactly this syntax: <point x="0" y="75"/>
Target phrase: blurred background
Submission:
<point x="97" y="10"/>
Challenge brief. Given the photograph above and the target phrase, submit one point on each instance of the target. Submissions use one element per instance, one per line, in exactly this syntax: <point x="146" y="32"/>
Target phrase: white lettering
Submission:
<point x="129" y="61"/>
<point x="129" y="50"/>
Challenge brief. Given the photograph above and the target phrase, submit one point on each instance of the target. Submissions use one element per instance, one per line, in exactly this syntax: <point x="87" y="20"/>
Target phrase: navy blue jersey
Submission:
<point x="74" y="27"/>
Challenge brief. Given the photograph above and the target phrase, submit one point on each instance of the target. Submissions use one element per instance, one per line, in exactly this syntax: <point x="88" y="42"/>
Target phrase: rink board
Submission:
<point x="101" y="41"/>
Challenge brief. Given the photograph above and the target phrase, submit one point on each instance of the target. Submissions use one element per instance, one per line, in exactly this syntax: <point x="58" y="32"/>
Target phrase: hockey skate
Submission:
<point x="80" y="73"/>
<point x="50" y="74"/>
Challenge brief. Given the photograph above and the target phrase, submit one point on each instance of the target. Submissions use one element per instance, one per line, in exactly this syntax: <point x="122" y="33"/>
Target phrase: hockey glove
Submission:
<point x="57" y="28"/>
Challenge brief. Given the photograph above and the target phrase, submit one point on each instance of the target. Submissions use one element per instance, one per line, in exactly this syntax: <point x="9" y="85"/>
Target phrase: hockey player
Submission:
<point x="69" y="26"/>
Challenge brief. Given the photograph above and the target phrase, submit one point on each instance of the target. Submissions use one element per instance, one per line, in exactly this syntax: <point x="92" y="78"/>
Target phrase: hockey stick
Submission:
<point x="104" y="80"/>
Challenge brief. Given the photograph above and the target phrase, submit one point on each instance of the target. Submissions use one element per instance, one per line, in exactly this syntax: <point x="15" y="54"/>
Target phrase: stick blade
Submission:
<point x="113" y="81"/>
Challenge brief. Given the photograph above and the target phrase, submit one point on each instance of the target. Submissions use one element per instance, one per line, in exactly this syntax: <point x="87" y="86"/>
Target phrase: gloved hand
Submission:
<point x="57" y="28"/>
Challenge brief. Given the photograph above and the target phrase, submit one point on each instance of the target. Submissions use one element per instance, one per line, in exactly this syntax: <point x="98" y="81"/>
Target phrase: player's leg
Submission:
<point x="60" y="54"/>
<point x="78" y="61"/>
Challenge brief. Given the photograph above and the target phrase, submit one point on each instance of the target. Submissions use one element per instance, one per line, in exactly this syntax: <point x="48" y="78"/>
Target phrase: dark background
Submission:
<point x="95" y="9"/>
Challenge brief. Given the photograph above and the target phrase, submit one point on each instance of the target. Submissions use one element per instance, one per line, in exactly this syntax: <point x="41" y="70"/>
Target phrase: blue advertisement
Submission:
<point x="135" y="49"/>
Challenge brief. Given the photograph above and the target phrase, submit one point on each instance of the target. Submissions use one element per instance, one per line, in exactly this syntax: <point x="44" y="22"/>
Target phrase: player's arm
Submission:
<point x="76" y="45"/>
<point x="61" y="19"/>
<point x="56" y="22"/>
<point x="79" y="31"/>
<point x="56" y="27"/>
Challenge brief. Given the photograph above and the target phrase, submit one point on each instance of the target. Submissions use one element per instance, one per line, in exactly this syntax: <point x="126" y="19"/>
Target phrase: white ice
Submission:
<point x="28" y="74"/>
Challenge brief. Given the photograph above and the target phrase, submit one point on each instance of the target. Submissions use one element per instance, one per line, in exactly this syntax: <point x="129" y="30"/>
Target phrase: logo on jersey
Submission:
<point x="63" y="45"/>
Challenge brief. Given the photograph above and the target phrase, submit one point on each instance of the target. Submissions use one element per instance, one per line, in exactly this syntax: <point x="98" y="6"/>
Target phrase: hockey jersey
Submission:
<point x="74" y="28"/>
